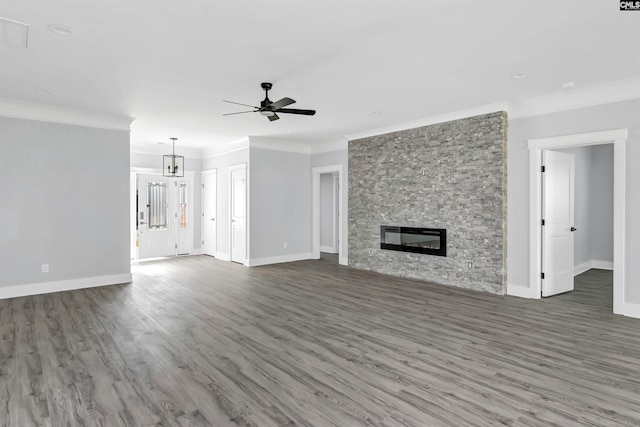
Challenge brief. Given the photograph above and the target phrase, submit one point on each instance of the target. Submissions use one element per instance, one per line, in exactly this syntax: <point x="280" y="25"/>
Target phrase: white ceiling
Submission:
<point x="169" y="64"/>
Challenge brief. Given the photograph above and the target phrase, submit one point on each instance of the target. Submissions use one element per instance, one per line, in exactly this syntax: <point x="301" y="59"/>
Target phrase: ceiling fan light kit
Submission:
<point x="269" y="109"/>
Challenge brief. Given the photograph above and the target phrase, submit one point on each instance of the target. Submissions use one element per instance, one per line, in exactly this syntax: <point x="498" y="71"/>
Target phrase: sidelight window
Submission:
<point x="183" y="204"/>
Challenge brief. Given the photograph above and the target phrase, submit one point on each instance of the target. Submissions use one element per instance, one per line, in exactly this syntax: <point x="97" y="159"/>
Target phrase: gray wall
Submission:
<point x="332" y="158"/>
<point x="280" y="203"/>
<point x="326" y="210"/>
<point x="222" y="163"/>
<point x="449" y="175"/>
<point x="64" y="201"/>
<point x="603" y="117"/>
<point x="601" y="205"/>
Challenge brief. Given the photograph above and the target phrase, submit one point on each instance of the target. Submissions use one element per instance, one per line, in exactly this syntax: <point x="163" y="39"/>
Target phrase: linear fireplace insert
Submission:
<point x="431" y="241"/>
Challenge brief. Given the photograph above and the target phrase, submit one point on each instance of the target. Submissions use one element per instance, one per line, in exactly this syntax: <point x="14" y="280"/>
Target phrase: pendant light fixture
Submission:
<point x="173" y="165"/>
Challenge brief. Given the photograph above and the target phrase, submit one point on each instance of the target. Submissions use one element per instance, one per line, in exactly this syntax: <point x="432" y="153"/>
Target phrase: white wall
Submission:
<point x="222" y="162"/>
<point x="338" y="157"/>
<point x="591" y="119"/>
<point x="64" y="201"/>
<point x="280" y="206"/>
<point x="326" y="212"/>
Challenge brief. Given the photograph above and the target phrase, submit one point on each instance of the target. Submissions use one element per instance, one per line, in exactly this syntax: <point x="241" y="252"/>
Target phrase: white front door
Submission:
<point x="209" y="213"/>
<point x="156" y="233"/>
<point x="238" y="214"/>
<point x="558" y="184"/>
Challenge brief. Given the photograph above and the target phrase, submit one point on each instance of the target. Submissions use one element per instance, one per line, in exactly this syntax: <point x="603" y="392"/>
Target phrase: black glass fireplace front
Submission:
<point x="431" y="241"/>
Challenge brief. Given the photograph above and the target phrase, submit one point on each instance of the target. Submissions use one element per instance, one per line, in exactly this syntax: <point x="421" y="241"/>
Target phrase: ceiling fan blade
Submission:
<point x="296" y="111"/>
<point x="273" y="117"/>
<point x="281" y="103"/>
<point x="237" y="103"/>
<point x="240" y="112"/>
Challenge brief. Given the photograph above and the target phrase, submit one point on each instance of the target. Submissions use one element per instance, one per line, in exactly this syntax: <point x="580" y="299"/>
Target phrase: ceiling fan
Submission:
<point x="268" y="108"/>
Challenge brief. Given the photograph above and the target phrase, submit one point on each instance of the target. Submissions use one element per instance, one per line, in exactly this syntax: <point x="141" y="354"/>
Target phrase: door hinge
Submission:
<point x="202" y="185"/>
<point x="543" y="169"/>
<point x="542" y="275"/>
<point x="203" y="242"/>
<point x="543" y="222"/>
<point x="176" y="246"/>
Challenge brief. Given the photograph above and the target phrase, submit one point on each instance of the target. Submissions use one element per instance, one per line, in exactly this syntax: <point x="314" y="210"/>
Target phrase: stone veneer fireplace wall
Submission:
<point x="449" y="175"/>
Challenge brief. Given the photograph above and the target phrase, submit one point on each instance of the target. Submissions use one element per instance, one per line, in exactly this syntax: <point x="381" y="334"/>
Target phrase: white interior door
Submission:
<point x="156" y="234"/>
<point x="558" y="185"/>
<point x="209" y="213"/>
<point x="238" y="214"/>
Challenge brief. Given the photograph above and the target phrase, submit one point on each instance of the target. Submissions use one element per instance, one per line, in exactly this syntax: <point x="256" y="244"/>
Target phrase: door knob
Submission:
<point x="573" y="229"/>
<point x="212" y="219"/>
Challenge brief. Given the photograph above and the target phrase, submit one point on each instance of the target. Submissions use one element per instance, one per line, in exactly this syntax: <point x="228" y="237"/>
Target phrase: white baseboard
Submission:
<point x="328" y="249"/>
<point x="223" y="256"/>
<point x="343" y="261"/>
<point x="581" y="268"/>
<point x="278" y="259"/>
<point x="521" y="291"/>
<point x="602" y="265"/>
<point x="629" y="309"/>
<point x="588" y="265"/>
<point x="63" y="285"/>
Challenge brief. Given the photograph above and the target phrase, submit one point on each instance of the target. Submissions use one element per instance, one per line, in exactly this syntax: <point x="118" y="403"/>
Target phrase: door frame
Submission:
<point x="315" y="209"/>
<point x="617" y="137"/>
<point x="232" y="169"/>
<point x="204" y="173"/>
<point x="134" y="171"/>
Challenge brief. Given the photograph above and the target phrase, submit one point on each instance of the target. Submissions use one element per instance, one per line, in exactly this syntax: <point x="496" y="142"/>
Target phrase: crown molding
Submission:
<point x="426" y="121"/>
<point x="616" y="91"/>
<point x="162" y="149"/>
<point x="330" y="145"/>
<point x="571" y="99"/>
<point x="63" y="115"/>
<point x="277" y="144"/>
<point x="231" y="147"/>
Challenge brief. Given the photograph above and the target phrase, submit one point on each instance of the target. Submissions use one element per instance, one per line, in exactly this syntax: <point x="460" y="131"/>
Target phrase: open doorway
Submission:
<point x="329" y="188"/>
<point x="590" y="227"/>
<point x="162" y="215"/>
<point x="618" y="139"/>
<point x="327" y="191"/>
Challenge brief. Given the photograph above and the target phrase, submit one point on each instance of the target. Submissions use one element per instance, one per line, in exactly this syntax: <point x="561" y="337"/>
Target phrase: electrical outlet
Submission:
<point x="470" y="265"/>
<point x="45" y="268"/>
<point x="285" y="245"/>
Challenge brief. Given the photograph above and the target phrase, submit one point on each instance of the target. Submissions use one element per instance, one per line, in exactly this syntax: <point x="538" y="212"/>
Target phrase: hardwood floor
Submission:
<point x="195" y="341"/>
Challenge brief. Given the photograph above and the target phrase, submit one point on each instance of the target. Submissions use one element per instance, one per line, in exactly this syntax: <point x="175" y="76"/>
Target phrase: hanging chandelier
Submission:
<point x="173" y="165"/>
